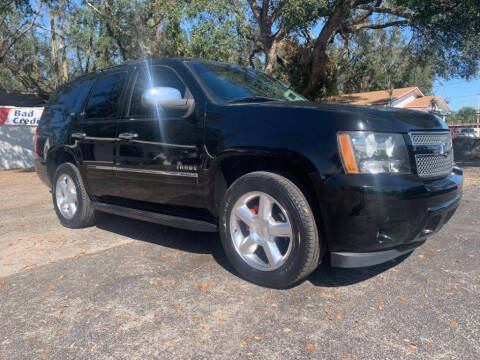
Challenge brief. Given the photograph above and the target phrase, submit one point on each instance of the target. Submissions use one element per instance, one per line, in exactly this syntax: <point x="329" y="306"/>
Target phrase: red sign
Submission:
<point x="3" y="114"/>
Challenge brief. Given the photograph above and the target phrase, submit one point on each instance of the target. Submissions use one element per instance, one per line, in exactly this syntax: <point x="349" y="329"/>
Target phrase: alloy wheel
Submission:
<point x="261" y="231"/>
<point x="66" y="196"/>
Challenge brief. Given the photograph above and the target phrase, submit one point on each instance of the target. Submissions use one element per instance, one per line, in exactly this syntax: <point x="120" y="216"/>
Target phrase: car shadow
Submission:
<point x="179" y="239"/>
<point x="209" y="243"/>
<point x="327" y="276"/>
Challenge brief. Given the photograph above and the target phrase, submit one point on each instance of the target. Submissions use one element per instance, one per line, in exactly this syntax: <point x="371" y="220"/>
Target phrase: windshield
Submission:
<point x="468" y="130"/>
<point x="232" y="83"/>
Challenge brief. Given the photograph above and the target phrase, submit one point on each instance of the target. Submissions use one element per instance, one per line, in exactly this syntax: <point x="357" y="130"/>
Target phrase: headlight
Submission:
<point x="373" y="153"/>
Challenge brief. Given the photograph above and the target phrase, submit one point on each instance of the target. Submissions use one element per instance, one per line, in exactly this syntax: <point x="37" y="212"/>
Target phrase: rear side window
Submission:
<point x="105" y="97"/>
<point x="70" y="96"/>
<point x="68" y="99"/>
<point x="153" y="76"/>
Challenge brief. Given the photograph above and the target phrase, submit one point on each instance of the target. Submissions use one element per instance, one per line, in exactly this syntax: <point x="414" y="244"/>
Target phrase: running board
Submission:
<point x="162" y="219"/>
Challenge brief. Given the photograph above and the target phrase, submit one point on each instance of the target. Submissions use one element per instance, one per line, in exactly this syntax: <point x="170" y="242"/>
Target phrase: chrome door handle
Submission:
<point x="128" y="136"/>
<point x="79" y="135"/>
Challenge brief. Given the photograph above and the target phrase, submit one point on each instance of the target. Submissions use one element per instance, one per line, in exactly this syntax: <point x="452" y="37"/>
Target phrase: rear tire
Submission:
<point x="70" y="199"/>
<point x="268" y="230"/>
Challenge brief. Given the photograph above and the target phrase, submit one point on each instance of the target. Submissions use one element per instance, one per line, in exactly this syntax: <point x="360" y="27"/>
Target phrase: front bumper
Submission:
<point x="370" y="219"/>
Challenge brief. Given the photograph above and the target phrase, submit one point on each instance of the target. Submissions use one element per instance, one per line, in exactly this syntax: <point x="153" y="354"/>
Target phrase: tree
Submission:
<point x="465" y="115"/>
<point x="319" y="47"/>
<point x="14" y="26"/>
<point x="447" y="32"/>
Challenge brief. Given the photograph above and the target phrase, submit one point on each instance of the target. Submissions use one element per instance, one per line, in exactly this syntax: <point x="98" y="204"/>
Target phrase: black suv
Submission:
<point x="208" y="146"/>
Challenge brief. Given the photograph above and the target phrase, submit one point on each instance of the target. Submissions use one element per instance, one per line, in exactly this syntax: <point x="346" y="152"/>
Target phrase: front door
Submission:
<point x="94" y="132"/>
<point x="158" y="152"/>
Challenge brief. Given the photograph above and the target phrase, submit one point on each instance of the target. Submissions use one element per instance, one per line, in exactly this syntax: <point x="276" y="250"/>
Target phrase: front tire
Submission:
<point x="268" y="230"/>
<point x="70" y="199"/>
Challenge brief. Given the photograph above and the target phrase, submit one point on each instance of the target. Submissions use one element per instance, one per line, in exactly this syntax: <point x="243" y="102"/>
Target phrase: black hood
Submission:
<point x="350" y="117"/>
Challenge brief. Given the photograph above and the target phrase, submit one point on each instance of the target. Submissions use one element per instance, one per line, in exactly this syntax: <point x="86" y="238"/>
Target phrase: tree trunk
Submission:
<point x="320" y="60"/>
<point x="63" y="57"/>
<point x="270" y="57"/>
<point x="318" y="68"/>
<point x="54" y="48"/>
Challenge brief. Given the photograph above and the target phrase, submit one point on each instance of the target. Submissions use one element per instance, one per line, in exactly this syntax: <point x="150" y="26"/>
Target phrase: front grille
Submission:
<point x="434" y="165"/>
<point x="430" y="139"/>
<point x="433" y="154"/>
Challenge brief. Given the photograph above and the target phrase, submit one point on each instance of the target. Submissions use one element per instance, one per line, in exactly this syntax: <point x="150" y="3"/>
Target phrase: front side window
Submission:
<point x="105" y="97"/>
<point x="233" y="83"/>
<point x="148" y="78"/>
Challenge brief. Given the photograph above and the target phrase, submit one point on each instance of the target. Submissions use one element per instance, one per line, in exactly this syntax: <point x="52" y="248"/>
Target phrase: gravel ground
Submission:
<point x="126" y="289"/>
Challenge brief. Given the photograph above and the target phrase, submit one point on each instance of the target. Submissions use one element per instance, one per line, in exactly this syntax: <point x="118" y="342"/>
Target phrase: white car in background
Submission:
<point x="468" y="132"/>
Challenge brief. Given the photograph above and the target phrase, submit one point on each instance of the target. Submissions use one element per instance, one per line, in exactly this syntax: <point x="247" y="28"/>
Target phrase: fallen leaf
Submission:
<point x="222" y="319"/>
<point x="309" y="347"/>
<point x="203" y="326"/>
<point x="336" y="318"/>
<point x="260" y="337"/>
<point x="421" y="256"/>
<point x="29" y="266"/>
<point x="336" y="296"/>
<point x="154" y="282"/>
<point x="287" y="330"/>
<point x="169" y="344"/>
<point x="204" y="287"/>
<point x="453" y="323"/>
<point x="403" y="298"/>
<point x="246" y="340"/>
<point x="61" y="332"/>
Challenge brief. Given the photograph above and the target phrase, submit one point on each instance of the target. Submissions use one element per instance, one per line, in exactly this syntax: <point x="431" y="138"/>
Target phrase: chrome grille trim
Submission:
<point x="433" y="153"/>
<point x="430" y="139"/>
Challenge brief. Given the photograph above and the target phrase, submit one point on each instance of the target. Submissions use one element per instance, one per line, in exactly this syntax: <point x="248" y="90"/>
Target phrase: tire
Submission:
<point x="84" y="215"/>
<point x="290" y="216"/>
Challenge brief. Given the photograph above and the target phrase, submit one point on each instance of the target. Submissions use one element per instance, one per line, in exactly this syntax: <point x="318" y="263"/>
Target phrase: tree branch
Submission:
<point x="384" y="10"/>
<point x="379" y="26"/>
<point x="4" y="49"/>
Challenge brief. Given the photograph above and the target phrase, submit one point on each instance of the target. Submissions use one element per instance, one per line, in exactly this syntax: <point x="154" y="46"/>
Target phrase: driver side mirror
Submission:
<point x="166" y="98"/>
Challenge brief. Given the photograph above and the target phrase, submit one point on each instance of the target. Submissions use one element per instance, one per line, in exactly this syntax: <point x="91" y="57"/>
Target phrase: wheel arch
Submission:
<point x="230" y="165"/>
<point x="57" y="156"/>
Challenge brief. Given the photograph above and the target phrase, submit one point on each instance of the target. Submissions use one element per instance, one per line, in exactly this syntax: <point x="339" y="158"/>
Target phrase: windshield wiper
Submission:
<point x="252" y="99"/>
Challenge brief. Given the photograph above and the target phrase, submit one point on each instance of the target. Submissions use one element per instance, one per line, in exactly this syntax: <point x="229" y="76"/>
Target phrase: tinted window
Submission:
<point x="149" y="77"/>
<point x="230" y="83"/>
<point x="105" y="97"/>
<point x="71" y="96"/>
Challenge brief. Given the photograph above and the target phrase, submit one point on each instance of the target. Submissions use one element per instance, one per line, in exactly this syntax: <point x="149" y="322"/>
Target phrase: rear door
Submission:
<point x="94" y="131"/>
<point x="158" y="152"/>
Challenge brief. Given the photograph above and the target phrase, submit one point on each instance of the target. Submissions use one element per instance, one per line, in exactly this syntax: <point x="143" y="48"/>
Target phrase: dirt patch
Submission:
<point x="30" y="233"/>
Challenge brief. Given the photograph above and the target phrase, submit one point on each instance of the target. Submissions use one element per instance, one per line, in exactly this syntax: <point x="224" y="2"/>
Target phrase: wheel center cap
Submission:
<point x="261" y="229"/>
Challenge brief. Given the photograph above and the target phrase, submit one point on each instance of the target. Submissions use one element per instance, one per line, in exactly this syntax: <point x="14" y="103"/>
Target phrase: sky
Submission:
<point x="458" y="92"/>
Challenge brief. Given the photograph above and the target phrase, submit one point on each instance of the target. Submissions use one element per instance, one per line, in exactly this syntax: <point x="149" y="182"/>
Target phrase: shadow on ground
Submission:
<point x="209" y="243"/>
